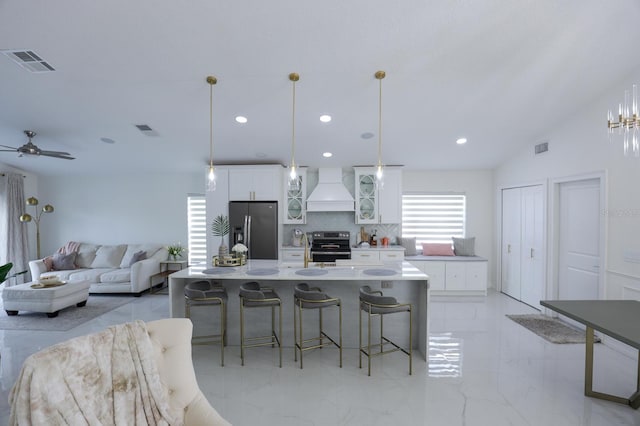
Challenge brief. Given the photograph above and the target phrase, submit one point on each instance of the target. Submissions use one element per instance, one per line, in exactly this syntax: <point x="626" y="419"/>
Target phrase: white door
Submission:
<point x="511" y="240"/>
<point x="532" y="259"/>
<point x="579" y="240"/>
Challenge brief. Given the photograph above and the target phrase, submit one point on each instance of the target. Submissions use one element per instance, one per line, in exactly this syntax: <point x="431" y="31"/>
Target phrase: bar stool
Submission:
<point x="373" y="302"/>
<point x="206" y="293"/>
<point x="254" y="296"/>
<point x="304" y="298"/>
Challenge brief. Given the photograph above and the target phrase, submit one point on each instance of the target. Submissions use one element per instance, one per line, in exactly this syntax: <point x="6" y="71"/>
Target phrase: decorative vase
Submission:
<point x="223" y="251"/>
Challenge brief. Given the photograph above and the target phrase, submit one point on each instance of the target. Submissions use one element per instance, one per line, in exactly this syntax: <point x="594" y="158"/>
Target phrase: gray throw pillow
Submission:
<point x="409" y="245"/>
<point x="138" y="256"/>
<point x="464" y="246"/>
<point x="64" y="262"/>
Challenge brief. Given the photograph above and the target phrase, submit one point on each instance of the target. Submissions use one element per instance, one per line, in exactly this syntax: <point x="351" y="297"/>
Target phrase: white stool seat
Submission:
<point x="49" y="300"/>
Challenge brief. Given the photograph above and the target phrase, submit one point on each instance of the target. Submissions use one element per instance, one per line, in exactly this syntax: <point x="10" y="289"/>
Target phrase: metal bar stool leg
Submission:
<point x="241" y="331"/>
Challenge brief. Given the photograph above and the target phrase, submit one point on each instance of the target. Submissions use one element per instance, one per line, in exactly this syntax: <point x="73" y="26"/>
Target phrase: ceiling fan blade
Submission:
<point x="51" y="153"/>
<point x="54" y="154"/>
<point x="12" y="148"/>
<point x="8" y="150"/>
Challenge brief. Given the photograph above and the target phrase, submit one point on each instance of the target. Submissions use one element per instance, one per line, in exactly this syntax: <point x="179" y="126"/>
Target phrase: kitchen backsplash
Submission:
<point x="339" y="221"/>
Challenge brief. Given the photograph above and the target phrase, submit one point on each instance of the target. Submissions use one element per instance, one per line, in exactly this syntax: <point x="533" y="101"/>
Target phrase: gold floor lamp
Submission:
<point x="33" y="201"/>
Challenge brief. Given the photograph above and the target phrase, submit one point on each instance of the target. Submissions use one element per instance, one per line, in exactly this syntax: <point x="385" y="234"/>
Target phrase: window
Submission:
<point x="433" y="218"/>
<point x="197" y="217"/>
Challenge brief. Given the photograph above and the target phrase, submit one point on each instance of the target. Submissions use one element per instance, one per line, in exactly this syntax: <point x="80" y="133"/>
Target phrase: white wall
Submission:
<point x="579" y="145"/>
<point x="136" y="208"/>
<point x="478" y="187"/>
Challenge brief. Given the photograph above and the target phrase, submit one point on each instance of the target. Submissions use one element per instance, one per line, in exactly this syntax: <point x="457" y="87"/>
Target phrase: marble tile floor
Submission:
<point x="484" y="369"/>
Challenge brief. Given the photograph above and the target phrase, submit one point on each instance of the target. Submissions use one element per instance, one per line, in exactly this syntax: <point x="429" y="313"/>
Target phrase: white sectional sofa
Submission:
<point x="108" y="268"/>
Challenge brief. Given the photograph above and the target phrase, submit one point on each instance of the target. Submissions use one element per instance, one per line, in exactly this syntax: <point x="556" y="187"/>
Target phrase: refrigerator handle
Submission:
<point x="247" y="233"/>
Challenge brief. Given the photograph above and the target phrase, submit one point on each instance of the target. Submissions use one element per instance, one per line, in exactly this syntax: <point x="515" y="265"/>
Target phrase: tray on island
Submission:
<point x="229" y="261"/>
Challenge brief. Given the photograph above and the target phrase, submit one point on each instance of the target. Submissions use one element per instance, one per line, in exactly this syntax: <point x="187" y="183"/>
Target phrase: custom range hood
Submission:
<point x="330" y="195"/>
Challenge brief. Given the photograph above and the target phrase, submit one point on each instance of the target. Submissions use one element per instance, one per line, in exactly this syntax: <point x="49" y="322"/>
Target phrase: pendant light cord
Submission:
<point x="293" y="125"/>
<point x="211" y="124"/>
<point x="380" y="125"/>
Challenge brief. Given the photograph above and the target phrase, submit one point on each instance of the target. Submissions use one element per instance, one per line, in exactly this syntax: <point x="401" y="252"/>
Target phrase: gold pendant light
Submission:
<point x="628" y="123"/>
<point x="294" y="181"/>
<point x="211" y="176"/>
<point x="379" y="168"/>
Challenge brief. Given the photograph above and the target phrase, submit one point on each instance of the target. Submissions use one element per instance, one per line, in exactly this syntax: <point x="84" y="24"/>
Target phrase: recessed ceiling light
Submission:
<point x="325" y="118"/>
<point x="461" y="141"/>
<point x="107" y="140"/>
<point x="261" y="155"/>
<point x="241" y="119"/>
<point x="327" y="154"/>
<point x="366" y="135"/>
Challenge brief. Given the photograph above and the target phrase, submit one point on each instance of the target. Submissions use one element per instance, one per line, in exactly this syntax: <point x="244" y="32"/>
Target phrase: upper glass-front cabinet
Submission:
<point x="367" y="197"/>
<point x="295" y="201"/>
<point x="378" y="205"/>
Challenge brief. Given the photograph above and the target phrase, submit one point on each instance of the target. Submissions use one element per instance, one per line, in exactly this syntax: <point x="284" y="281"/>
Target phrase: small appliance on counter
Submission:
<point x="297" y="237"/>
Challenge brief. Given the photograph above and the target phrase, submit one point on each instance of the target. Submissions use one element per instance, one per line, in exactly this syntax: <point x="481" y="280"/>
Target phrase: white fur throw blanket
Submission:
<point x="106" y="378"/>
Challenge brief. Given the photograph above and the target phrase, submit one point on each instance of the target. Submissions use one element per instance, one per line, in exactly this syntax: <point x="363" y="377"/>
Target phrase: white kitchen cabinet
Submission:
<point x="458" y="277"/>
<point x="378" y="205"/>
<point x="378" y="254"/>
<point x="369" y="255"/>
<point x="295" y="202"/>
<point x="292" y="254"/>
<point x="248" y="183"/>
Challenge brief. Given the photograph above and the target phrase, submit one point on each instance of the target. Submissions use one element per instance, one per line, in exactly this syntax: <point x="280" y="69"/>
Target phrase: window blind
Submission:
<point x="197" y="228"/>
<point x="433" y="218"/>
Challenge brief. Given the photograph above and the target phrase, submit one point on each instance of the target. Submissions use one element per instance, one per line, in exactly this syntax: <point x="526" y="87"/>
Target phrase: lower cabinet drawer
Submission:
<point x="365" y="255"/>
<point x="293" y="255"/>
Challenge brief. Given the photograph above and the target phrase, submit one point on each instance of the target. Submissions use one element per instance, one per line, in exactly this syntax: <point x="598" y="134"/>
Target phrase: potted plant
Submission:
<point x="4" y="272"/>
<point x="175" y="251"/>
<point x="220" y="228"/>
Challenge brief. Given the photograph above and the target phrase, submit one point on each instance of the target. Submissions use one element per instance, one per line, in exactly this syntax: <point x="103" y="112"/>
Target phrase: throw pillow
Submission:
<point x="437" y="249"/>
<point x="86" y="255"/>
<point x="48" y="263"/>
<point x="109" y="256"/>
<point x="137" y="257"/>
<point x="464" y="246"/>
<point x="64" y="262"/>
<point x="409" y="245"/>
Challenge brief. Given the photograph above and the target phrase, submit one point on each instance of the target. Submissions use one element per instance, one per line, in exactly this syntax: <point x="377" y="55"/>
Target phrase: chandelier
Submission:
<point x="628" y="123"/>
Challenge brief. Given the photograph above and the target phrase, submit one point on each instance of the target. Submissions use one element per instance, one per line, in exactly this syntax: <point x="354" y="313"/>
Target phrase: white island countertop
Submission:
<point x="347" y="270"/>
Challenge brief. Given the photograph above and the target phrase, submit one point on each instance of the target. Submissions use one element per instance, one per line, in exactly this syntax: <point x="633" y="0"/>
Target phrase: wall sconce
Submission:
<point x="33" y="201"/>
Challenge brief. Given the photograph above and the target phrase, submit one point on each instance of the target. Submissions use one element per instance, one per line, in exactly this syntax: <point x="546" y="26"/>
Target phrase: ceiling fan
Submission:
<point x="30" y="149"/>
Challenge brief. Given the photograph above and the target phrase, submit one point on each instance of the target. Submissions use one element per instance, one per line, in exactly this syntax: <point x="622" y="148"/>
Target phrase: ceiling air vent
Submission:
<point x="29" y="60"/>
<point x="542" y="147"/>
<point x="146" y="129"/>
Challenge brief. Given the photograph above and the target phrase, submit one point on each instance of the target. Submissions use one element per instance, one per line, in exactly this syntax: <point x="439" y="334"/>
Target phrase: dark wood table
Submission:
<point x="619" y="319"/>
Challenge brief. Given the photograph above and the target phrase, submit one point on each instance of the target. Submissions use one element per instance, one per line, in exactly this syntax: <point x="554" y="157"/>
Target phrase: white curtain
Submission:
<point x="13" y="234"/>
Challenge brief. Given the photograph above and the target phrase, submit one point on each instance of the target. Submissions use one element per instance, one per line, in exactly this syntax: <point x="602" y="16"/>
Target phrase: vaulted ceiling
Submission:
<point x="498" y="72"/>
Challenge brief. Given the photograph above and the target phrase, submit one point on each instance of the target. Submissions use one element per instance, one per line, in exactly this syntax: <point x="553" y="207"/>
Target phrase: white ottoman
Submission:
<point x="49" y="300"/>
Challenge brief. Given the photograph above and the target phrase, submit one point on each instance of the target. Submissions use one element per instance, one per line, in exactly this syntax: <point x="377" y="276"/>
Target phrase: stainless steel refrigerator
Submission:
<point x="255" y="224"/>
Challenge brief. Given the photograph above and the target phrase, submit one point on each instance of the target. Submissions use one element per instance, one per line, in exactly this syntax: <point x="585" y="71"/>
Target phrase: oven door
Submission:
<point x="329" y="256"/>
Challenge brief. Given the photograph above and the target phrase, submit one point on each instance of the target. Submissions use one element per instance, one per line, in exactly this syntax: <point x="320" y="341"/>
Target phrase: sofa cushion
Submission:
<point x="122" y="275"/>
<point x="86" y="254"/>
<point x="109" y="256"/>
<point x="62" y="275"/>
<point x="91" y="275"/>
<point x="64" y="262"/>
<point x="134" y="248"/>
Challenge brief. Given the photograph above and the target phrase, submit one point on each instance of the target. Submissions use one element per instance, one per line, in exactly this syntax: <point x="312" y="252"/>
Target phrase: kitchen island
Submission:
<point x="399" y="279"/>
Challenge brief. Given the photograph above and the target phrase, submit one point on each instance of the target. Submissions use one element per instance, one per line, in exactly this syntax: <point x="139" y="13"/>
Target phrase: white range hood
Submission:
<point x="330" y="195"/>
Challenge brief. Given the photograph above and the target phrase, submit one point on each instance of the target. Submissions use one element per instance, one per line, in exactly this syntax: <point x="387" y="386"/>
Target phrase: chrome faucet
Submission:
<point x="307" y="256"/>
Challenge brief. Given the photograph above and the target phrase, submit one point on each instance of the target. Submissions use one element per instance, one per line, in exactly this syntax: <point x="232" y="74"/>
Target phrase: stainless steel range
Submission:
<point x="327" y="246"/>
